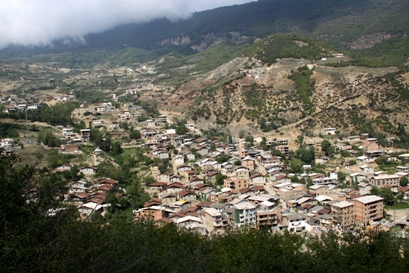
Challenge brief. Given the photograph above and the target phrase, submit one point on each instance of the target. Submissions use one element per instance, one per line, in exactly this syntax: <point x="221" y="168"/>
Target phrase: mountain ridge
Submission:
<point x="346" y="25"/>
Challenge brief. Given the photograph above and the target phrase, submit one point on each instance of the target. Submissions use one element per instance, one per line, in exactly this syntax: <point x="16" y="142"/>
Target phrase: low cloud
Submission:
<point x="39" y="22"/>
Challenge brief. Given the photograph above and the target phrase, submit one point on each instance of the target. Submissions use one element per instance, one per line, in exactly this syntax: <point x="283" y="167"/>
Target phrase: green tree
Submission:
<point x="404" y="181"/>
<point x="306" y="155"/>
<point x="375" y="191"/>
<point x="400" y="196"/>
<point x="135" y="134"/>
<point x="341" y="177"/>
<point x="47" y="138"/>
<point x="296" y="165"/>
<point x="163" y="166"/>
<point x="220" y="178"/>
<point x="116" y="148"/>
<point x="387" y="195"/>
<point x="124" y="125"/>
<point x="148" y="180"/>
<point x="249" y="139"/>
<point x="328" y="149"/>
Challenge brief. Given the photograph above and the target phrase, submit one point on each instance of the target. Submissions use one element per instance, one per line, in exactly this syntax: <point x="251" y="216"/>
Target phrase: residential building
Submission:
<point x="330" y="131"/>
<point x="268" y="219"/>
<point x="368" y="208"/>
<point x="249" y="163"/>
<point x="85" y="134"/>
<point x="284" y="149"/>
<point x="295" y="222"/>
<point x="343" y="213"/>
<point x="153" y="212"/>
<point x="244" y="214"/>
<point x="213" y="221"/>
<point x="381" y="181"/>
<point x="236" y="183"/>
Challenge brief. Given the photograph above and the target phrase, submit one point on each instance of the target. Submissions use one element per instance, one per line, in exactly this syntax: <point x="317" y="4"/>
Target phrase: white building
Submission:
<point x="245" y="214"/>
<point x="296" y="222"/>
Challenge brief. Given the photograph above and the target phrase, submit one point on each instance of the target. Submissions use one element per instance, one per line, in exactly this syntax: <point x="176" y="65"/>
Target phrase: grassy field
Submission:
<point x="34" y="155"/>
<point x="398" y="205"/>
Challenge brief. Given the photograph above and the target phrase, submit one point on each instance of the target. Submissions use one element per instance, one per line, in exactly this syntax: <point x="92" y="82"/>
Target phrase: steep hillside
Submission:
<point x="250" y="93"/>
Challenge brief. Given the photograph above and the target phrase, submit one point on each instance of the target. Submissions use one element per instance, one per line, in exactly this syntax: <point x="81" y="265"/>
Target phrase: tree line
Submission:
<point x="59" y="114"/>
<point x="38" y="234"/>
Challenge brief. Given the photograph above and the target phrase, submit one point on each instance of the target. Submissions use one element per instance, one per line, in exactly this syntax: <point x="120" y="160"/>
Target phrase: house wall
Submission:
<point x="367" y="212"/>
<point x="248" y="164"/>
<point x="346" y="215"/>
<point x="380" y="183"/>
<point x="245" y="217"/>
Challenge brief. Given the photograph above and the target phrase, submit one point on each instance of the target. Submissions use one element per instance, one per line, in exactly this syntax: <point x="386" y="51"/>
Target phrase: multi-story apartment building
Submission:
<point x="249" y="163"/>
<point x="284" y="149"/>
<point x="295" y="222"/>
<point x="343" y="213"/>
<point x="85" y="134"/>
<point x="213" y="221"/>
<point x="235" y="183"/>
<point x="268" y="219"/>
<point x="245" y="214"/>
<point x="368" y="208"/>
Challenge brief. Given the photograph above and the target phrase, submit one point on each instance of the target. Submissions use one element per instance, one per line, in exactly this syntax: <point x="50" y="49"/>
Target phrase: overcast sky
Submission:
<point x="38" y="22"/>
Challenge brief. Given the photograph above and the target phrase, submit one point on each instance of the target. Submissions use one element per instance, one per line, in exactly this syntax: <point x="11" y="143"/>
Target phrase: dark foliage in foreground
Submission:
<point x="31" y="240"/>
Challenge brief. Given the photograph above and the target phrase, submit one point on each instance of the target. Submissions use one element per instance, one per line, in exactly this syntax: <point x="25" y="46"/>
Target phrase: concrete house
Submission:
<point x="358" y="177"/>
<point x="367" y="168"/>
<point x="69" y="149"/>
<point x="178" y="160"/>
<point x="368" y="208"/>
<point x="89" y="170"/>
<point x="244" y="214"/>
<point x="85" y="134"/>
<point x="164" y="177"/>
<point x="249" y="162"/>
<point x="295" y="222"/>
<point x="183" y="168"/>
<point x="186" y="195"/>
<point x="330" y="131"/>
<point x="236" y="183"/>
<point x="257" y="178"/>
<point x="322" y="160"/>
<point x="213" y="220"/>
<point x="242" y="172"/>
<point x="203" y="150"/>
<point x="343" y="213"/>
<point x="192" y="223"/>
<point x="68" y="133"/>
<point x="284" y="149"/>
<point x="268" y="219"/>
<point x="381" y="181"/>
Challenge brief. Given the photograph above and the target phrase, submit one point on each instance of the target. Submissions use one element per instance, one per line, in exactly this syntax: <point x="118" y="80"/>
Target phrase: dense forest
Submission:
<point x="38" y="234"/>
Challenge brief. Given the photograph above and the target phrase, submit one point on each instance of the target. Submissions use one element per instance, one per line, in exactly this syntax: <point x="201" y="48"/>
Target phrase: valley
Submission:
<point x="267" y="135"/>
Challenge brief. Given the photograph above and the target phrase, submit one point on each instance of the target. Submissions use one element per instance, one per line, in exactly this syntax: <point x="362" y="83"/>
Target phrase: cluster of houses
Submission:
<point x="88" y="197"/>
<point x="13" y="104"/>
<point x="287" y="206"/>
<point x="256" y="189"/>
<point x="212" y="186"/>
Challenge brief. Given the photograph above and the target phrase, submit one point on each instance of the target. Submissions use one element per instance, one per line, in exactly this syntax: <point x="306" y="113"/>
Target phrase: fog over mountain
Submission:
<point x="39" y="22"/>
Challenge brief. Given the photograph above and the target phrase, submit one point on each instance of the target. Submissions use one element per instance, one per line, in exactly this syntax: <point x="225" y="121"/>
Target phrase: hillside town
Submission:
<point x="212" y="184"/>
